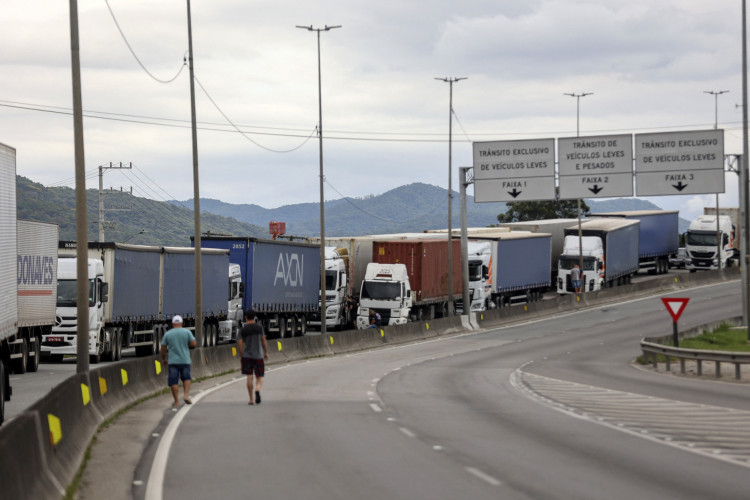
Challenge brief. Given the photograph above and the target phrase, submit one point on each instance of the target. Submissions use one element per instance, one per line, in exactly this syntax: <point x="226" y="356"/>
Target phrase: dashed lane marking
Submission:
<point x="375" y="408"/>
<point x="483" y="476"/>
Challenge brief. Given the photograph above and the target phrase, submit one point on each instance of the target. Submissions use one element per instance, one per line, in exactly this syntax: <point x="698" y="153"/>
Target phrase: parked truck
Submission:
<point x="610" y="254"/>
<point x="28" y="283"/>
<point x="407" y="280"/>
<point x="554" y="227"/>
<point x="337" y="290"/>
<point x="135" y="290"/>
<point x="701" y="239"/>
<point x="519" y="267"/>
<point x="658" y="239"/>
<point x="281" y="281"/>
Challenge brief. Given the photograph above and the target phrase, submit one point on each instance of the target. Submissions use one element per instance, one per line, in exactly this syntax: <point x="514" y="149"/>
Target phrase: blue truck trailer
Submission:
<point x="135" y="292"/>
<point x="659" y="236"/>
<point x="519" y="268"/>
<point x="609" y="250"/>
<point x="281" y="280"/>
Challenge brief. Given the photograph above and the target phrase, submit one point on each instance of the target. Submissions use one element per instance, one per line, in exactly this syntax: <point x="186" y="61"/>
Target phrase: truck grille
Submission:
<point x="703" y="255"/>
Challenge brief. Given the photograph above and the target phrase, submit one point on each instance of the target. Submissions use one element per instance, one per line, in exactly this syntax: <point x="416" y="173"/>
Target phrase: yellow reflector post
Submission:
<point x="331" y="337"/>
<point x="124" y="375"/>
<point x="234" y="351"/>
<point x="157" y="366"/>
<point x="85" y="394"/>
<point x="55" y="429"/>
<point x="102" y="386"/>
<point x="278" y="344"/>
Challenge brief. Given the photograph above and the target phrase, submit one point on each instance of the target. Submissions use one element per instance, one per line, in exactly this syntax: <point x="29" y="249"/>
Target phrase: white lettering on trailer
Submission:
<point x="289" y="269"/>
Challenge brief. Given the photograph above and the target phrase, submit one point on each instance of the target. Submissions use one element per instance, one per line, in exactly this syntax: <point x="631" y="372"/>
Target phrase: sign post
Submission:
<point x="675" y="307"/>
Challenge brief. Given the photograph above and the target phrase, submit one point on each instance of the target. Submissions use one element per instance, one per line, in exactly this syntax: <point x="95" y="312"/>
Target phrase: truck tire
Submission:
<point x="117" y="347"/>
<point x="32" y="365"/>
<point x="293" y="326"/>
<point x="214" y="335"/>
<point x="19" y="364"/>
<point x="281" y="322"/>
<point x="303" y="326"/>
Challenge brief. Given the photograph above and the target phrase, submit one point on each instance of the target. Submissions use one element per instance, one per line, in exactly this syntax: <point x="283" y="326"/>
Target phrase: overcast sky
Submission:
<point x="385" y="116"/>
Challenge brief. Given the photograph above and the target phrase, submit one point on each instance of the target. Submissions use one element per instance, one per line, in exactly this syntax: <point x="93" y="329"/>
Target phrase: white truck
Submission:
<point x="480" y="283"/>
<point x="229" y="328"/>
<point x="28" y="282"/>
<point x="610" y="254"/>
<point x="701" y="239"/>
<point x="337" y="289"/>
<point x="134" y="292"/>
<point x="407" y="280"/>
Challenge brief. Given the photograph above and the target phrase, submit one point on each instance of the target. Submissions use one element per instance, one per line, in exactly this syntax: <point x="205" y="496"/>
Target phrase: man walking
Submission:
<point x="254" y="348"/>
<point x="177" y="342"/>
<point x="575" y="277"/>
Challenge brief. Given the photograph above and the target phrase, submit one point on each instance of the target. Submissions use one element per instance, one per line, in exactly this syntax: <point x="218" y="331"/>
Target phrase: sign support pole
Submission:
<point x="675" y="336"/>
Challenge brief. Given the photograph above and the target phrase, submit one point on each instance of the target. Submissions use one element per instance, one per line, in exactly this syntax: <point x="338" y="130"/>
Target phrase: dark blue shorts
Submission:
<point x="177" y="373"/>
<point x="256" y="366"/>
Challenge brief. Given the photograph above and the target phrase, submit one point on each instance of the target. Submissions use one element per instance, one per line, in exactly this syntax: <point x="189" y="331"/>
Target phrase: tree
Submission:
<point x="522" y="211"/>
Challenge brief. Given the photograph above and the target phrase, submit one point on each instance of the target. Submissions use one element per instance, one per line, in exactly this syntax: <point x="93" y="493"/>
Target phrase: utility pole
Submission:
<point x="196" y="192"/>
<point x="744" y="173"/>
<point x="323" y="301"/>
<point x="102" y="168"/>
<point x="580" y="230"/>
<point x="465" y="177"/>
<point x="716" y="95"/>
<point x="82" y="236"/>
<point x="450" y="81"/>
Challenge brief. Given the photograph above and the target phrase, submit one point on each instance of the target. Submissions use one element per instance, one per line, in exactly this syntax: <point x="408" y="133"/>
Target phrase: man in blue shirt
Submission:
<point x="177" y="342"/>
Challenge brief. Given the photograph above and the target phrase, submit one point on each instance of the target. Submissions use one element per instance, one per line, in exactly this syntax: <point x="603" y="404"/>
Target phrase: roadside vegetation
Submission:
<point x="725" y="338"/>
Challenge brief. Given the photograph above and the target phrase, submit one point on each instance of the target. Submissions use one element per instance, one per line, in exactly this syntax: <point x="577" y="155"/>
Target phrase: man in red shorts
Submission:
<point x="254" y="348"/>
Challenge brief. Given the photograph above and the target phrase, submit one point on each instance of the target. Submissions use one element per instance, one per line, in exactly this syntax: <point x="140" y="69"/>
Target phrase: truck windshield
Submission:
<point x="475" y="270"/>
<point x="380" y="290"/>
<point x="701" y="239"/>
<point x="567" y="263"/>
<point x="66" y="293"/>
<point x="331" y="280"/>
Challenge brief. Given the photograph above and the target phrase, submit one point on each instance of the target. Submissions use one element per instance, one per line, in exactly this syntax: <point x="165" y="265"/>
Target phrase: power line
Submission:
<point x="243" y="133"/>
<point x="124" y="39"/>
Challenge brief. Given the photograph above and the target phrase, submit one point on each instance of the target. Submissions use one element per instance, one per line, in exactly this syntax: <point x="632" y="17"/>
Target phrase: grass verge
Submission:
<point x="725" y="338"/>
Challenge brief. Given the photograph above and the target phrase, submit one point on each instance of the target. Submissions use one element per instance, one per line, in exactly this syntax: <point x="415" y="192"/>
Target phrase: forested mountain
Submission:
<point x="142" y="221"/>
<point x="411" y="208"/>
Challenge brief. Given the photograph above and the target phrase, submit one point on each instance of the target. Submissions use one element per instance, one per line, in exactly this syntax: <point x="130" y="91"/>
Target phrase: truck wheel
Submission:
<point x="281" y="322"/>
<point x="214" y="335"/>
<point x="32" y="364"/>
<point x="303" y="326"/>
<point x="19" y="364"/>
<point x="117" y="344"/>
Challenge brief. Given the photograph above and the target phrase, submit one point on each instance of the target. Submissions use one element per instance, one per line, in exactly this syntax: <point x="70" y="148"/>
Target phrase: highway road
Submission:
<point x="546" y="409"/>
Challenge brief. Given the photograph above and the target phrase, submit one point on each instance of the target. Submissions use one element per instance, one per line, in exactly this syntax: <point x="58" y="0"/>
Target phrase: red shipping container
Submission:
<point x="427" y="264"/>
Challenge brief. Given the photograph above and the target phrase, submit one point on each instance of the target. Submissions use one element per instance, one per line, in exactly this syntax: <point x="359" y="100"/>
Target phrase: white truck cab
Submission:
<point x="230" y="327"/>
<point x="700" y="243"/>
<point x="386" y="290"/>
<point x="337" y="285"/>
<point x="592" y="276"/>
<point x="480" y="272"/>
<point x="63" y="338"/>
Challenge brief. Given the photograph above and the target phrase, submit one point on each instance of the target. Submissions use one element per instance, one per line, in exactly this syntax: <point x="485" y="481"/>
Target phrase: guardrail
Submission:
<point x="652" y="347"/>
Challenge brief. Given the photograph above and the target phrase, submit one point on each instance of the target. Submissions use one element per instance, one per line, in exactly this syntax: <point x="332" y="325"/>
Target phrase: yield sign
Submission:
<point x="675" y="307"/>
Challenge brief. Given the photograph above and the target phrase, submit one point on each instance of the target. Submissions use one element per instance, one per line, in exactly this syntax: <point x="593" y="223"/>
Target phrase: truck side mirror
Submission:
<point x="408" y="294"/>
<point x="104" y="292"/>
<point x="485" y="272"/>
<point x="725" y="239"/>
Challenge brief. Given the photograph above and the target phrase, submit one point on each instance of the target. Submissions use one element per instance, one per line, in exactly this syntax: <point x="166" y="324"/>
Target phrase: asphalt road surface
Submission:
<point x="547" y="409"/>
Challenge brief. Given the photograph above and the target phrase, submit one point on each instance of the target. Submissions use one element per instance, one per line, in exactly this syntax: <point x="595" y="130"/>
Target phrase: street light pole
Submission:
<point x="744" y="169"/>
<point x="580" y="230"/>
<point x="323" y="301"/>
<point x="82" y="237"/>
<point x="716" y="95"/>
<point x="199" y="334"/>
<point x="450" y="81"/>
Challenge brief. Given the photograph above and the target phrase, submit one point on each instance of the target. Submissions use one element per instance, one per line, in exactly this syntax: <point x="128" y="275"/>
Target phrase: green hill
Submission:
<point x="144" y="222"/>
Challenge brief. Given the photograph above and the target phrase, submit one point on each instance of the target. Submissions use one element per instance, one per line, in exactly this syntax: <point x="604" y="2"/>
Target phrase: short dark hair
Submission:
<point x="250" y="314"/>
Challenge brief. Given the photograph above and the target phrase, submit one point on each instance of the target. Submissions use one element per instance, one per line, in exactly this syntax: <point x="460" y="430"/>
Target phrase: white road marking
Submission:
<point x="483" y="476"/>
<point x="138" y="482"/>
<point x="407" y="432"/>
<point x="155" y="485"/>
<point x="437" y="447"/>
<point x="375" y="408"/>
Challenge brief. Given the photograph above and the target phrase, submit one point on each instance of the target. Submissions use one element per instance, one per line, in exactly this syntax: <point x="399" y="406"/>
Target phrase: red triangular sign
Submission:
<point x="675" y="307"/>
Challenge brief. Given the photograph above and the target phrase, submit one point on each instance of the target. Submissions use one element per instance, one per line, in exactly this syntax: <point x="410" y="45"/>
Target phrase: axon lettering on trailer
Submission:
<point x="514" y="170"/>
<point x="596" y="167"/>
<point x="679" y="163"/>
